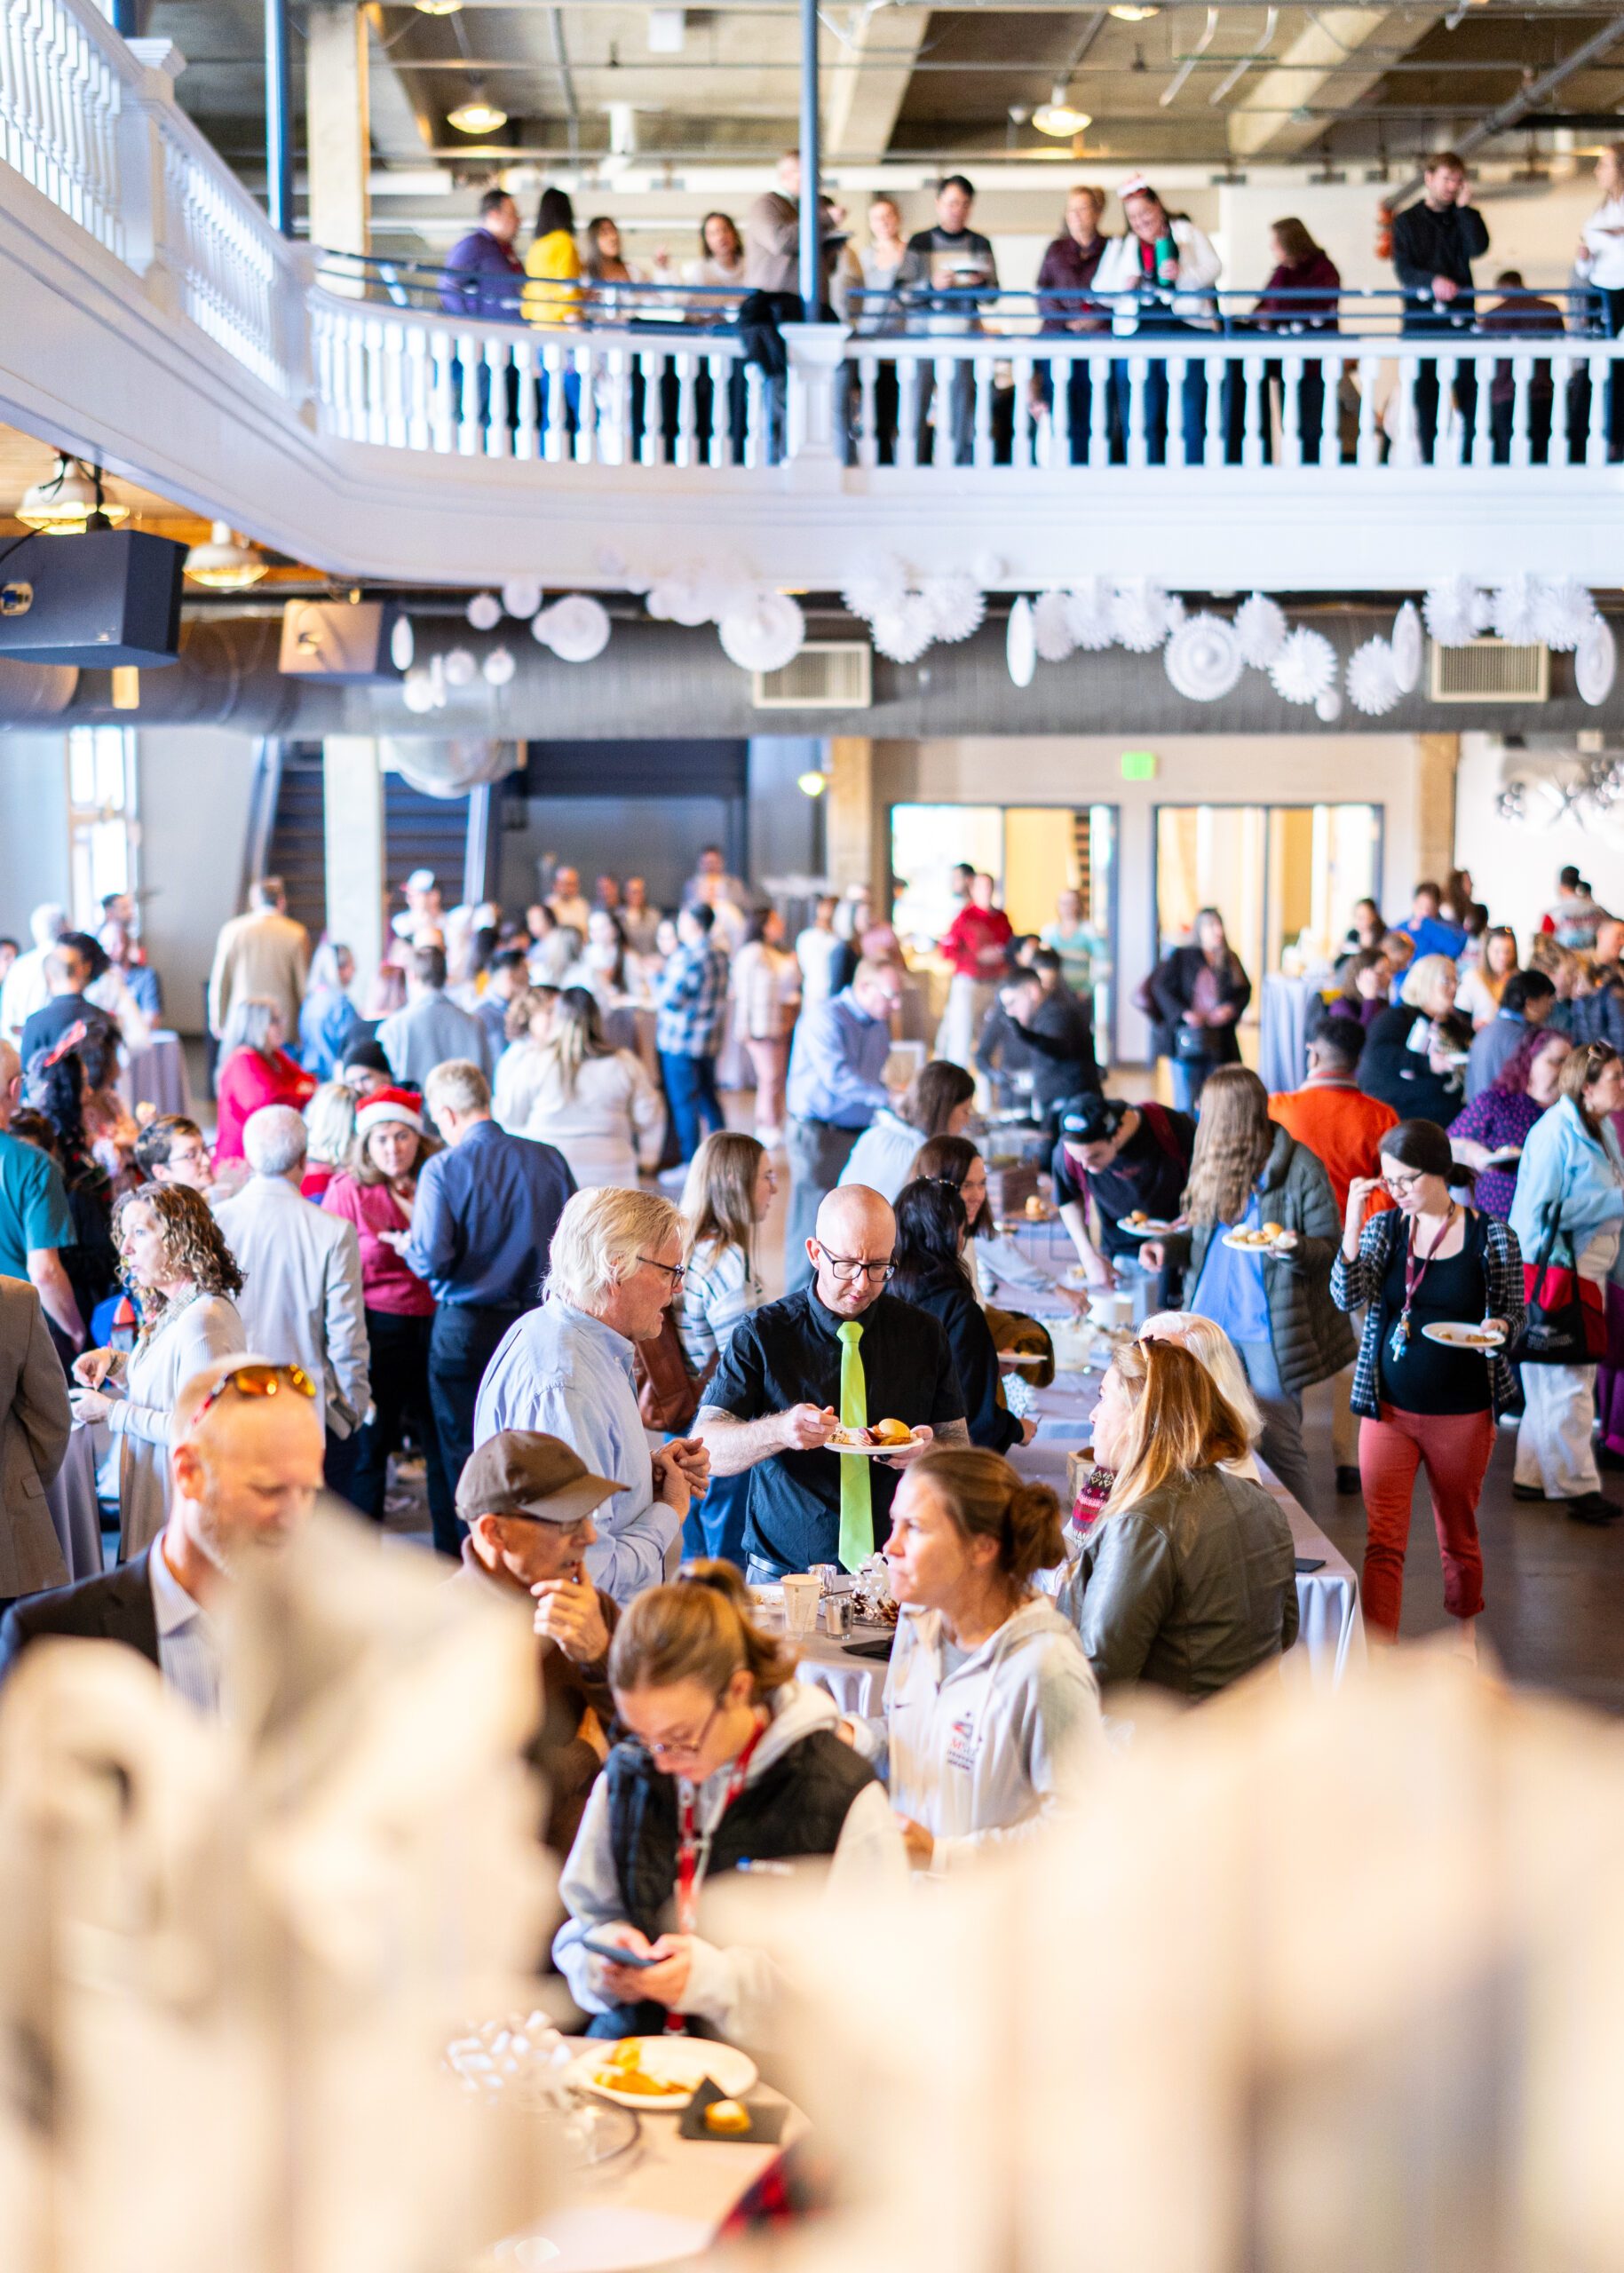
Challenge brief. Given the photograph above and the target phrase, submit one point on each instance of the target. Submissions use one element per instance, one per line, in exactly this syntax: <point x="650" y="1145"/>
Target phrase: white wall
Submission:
<point x="1514" y="864"/>
<point x="193" y="787"/>
<point x="33" y="826"/>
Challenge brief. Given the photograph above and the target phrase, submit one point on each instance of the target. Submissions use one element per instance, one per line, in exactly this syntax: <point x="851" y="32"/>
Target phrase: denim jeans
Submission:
<point x="691" y="1092"/>
<point x="715" y="1525"/>
<point x="462" y="1343"/>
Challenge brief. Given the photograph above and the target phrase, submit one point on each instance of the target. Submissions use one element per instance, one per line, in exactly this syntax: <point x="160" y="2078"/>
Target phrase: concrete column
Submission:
<point x="852" y="839"/>
<point x="357" y="888"/>
<point x="337" y="129"/>
<point x="1437" y="757"/>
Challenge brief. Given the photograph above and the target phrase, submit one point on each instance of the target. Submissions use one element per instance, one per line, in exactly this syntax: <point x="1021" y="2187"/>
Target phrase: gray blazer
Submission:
<point x="34" y="1421"/>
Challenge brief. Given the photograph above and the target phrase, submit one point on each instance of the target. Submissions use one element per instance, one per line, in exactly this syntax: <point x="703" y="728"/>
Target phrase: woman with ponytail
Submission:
<point x="1427" y="1260"/>
<point x="726" y="1763"/>
<point x="989" y="1702"/>
<point x="1188" y="1580"/>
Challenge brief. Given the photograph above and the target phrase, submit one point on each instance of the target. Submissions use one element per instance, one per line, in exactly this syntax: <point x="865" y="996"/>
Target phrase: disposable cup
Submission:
<point x="801" y="1594"/>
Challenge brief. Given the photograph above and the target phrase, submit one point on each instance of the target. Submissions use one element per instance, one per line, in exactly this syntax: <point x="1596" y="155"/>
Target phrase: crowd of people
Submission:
<point x="1159" y="276"/>
<point x="441" y="1232"/>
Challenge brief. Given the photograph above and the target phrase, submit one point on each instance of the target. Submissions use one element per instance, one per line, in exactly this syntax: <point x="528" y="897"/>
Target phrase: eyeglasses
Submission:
<point x="259" y="1381"/>
<point x="1399" y="1184"/>
<point x="688" y="1747"/>
<point x="845" y="1268"/>
<point x="673" y="1271"/>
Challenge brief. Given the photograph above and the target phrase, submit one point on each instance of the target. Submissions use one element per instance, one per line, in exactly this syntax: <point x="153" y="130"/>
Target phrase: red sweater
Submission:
<point x="972" y="929"/>
<point x="247" y="1080"/>
<point x="386" y="1283"/>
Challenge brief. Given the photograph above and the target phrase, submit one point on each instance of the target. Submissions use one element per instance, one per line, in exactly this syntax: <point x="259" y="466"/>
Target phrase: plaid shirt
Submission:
<point x="1362" y="1281"/>
<point x="692" y="995"/>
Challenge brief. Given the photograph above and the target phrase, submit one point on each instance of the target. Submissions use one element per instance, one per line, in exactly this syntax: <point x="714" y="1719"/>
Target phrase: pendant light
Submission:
<point x="1057" y="117"/>
<point x="225" y="564"/>
<point x="478" y="114"/>
<point x="69" y="500"/>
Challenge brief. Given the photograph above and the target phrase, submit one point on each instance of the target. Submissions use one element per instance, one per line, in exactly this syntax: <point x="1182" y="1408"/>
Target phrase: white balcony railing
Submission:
<point x="155" y="317"/>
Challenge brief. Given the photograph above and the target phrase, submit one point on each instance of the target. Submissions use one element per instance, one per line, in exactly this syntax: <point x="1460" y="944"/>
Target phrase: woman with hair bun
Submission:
<point x="727" y="1763"/>
<point x="1188" y="1580"/>
<point x="989" y="1702"/>
<point x="1427" y="1260"/>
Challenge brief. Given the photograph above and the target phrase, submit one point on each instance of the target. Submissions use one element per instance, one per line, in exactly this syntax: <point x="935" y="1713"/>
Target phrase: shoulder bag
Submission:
<point x="669" y="1392"/>
<point x="1567" y="1315"/>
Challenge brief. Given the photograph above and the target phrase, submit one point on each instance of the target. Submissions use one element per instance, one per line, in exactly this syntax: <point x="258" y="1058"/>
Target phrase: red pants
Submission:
<point x="1456" y="1449"/>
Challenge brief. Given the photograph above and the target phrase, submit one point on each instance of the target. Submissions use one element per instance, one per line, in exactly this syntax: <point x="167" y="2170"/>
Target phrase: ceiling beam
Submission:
<point x="864" y="102"/>
<point x="1326" y="51"/>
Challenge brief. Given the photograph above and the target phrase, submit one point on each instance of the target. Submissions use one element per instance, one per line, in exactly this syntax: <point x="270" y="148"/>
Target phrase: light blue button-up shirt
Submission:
<point x="188" y="1644"/>
<point x="835" y="1062"/>
<point x="567" y="1374"/>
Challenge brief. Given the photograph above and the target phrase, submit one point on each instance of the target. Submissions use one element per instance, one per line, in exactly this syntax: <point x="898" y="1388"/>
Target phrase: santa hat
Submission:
<point x="1136" y="185"/>
<point x="388" y="1104"/>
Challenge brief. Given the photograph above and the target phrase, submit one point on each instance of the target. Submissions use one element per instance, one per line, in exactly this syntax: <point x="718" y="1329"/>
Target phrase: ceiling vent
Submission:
<point x="827" y="675"/>
<point x="1491" y="670"/>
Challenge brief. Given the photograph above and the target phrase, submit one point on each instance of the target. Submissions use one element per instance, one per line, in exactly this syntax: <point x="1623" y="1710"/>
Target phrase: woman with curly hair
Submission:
<point x="183" y="1273"/>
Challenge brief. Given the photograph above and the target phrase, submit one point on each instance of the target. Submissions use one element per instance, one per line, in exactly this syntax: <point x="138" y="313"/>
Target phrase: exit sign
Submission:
<point x="1138" y="765"/>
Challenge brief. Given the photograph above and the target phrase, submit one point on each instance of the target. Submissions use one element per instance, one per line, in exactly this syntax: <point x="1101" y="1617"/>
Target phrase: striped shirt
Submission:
<point x="718" y="1290"/>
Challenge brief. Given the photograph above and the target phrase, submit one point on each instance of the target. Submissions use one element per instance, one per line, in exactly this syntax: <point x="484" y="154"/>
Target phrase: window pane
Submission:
<point x="82" y="766"/>
<point x="926" y="841"/>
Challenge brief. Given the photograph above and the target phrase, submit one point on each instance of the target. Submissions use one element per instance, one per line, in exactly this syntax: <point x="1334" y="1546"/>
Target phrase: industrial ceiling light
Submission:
<point x="69" y="500"/>
<point x="478" y="116"/>
<point x="1056" y="116"/>
<point x="1124" y="13"/>
<point x="438" y="7"/>
<point x="225" y="564"/>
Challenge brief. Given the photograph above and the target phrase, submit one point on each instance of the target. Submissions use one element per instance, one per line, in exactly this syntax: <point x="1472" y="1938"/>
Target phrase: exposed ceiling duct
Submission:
<point x="659" y="681"/>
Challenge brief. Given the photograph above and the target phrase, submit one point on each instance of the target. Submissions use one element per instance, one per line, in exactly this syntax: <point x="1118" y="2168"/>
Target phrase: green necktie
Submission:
<point x="856" y="1485"/>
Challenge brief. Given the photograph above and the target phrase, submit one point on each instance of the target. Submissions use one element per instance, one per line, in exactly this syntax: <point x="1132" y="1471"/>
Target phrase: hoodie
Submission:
<point x="732" y="1989"/>
<point x="979" y="1750"/>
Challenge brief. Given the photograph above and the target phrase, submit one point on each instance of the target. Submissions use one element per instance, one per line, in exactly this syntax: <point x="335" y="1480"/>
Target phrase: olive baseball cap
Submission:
<point x="521" y="1472"/>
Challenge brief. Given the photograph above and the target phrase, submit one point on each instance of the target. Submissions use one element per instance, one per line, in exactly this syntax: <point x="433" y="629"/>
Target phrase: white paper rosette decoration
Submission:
<point x="1051" y="627"/>
<point x="461" y="667"/>
<point x="1260" y="627"/>
<point x="1202" y="658"/>
<point x="402" y="642"/>
<point x="1021" y="644"/>
<point x="1515" y="609"/>
<point x="499" y="667"/>
<point x="876" y="588"/>
<point x="1140" y="617"/>
<point x="1451" y="611"/>
<point x="521" y="596"/>
<point x="989" y="569"/>
<point x="1563" y="613"/>
<point x="765" y="633"/>
<point x="1595" y="661"/>
<point x="904" y="632"/>
<point x="1327" y="707"/>
<point x="575" y="628"/>
<point x="1305" y="668"/>
<point x="956" y="604"/>
<point x="1088" y="613"/>
<point x="1371" y="686"/>
<point x="483" y="611"/>
<point x="418" y="691"/>
<point x="1409" y="648"/>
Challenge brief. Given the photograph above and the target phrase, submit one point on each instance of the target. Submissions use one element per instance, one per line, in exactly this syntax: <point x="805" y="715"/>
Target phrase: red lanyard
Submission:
<point x="1413" y="1278"/>
<point x="693" y="1851"/>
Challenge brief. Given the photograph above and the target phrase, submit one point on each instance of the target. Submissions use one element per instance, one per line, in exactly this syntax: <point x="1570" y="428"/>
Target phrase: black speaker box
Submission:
<point x="107" y="597"/>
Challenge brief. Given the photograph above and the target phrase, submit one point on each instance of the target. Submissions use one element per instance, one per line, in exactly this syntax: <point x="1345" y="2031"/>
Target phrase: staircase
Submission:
<point x="423" y="832"/>
<point x="419" y="832"/>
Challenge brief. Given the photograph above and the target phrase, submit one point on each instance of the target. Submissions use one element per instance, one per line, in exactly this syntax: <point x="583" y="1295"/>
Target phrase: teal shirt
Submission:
<point x="33" y="1205"/>
<point x="1079" y="950"/>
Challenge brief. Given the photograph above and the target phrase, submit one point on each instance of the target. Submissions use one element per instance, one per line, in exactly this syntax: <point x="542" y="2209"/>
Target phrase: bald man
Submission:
<point x="245" y="1463"/>
<point x="840" y="1351"/>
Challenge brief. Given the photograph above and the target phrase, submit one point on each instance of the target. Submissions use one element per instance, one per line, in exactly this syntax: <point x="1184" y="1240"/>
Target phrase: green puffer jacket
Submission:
<point x="1312" y="1338"/>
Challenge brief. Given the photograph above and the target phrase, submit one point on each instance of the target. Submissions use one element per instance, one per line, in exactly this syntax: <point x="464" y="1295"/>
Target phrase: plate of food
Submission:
<point x="1506" y="1157"/>
<point x="876" y="1442"/>
<point x="1457" y="1335"/>
<point x="660" y="2074"/>
<point x="1263" y="1239"/>
<point x="1141" y="1226"/>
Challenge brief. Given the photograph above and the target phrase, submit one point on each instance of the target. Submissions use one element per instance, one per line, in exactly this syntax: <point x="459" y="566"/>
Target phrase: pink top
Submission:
<point x="386" y="1283"/>
<point x="247" y="1081"/>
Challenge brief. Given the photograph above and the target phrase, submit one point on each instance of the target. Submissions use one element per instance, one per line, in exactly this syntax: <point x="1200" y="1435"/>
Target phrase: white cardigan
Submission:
<point x="613" y="1121"/>
<point x="1199" y="268"/>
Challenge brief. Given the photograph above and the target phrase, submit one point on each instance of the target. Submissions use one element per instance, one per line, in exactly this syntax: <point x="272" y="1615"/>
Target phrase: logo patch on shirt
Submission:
<point x="961" y="1743"/>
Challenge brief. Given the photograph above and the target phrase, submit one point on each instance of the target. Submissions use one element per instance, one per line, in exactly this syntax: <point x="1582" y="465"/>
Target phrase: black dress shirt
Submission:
<point x="787" y="1353"/>
<point x="947" y="1294"/>
<point x="1428" y="244"/>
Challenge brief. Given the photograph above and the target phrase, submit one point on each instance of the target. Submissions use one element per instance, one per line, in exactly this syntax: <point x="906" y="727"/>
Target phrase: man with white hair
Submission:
<point x="262" y="953"/>
<point x="26" y="989"/>
<point x="246" y="1463"/>
<point x="566" y="1371"/>
<point x="302" y="1292"/>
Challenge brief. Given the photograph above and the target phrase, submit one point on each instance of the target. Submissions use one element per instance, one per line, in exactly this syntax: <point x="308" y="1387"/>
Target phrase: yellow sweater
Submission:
<point x="555" y="264"/>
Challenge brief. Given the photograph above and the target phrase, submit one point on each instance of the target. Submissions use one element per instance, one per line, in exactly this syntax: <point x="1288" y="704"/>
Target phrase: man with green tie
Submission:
<point x="840" y="1351"/>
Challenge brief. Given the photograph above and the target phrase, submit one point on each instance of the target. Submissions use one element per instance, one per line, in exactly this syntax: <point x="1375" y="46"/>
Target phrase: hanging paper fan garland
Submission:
<point x="575" y="628"/>
<point x="764" y="634"/>
<point x="1327" y="707"/>
<point x="1202" y="658"/>
<point x="521" y="596"/>
<point x="1514" y="611"/>
<point x="499" y="667"/>
<point x="876" y="588"/>
<point x="904" y="632"/>
<point x="483" y="611"/>
<point x="1021" y="644"/>
<point x="1260" y="628"/>
<point x="461" y="668"/>
<point x="1052" y="628"/>
<point x="1564" y="614"/>
<point x="418" y="691"/>
<point x="1305" y="668"/>
<point x="1088" y="611"/>
<point x="1595" y="662"/>
<point x="402" y="642"/>
<point x="1140" y="616"/>
<point x="957" y="604"/>
<point x="1451" y="611"/>
<point x="1372" y="687"/>
<point x="1409" y="648"/>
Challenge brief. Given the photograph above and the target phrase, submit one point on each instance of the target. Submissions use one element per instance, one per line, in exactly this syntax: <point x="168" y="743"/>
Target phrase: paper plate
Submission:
<point x="1456" y="1335"/>
<point x="872" y="1452"/>
<point x="1155" y="1228"/>
<point x="685" y="2060"/>
<point x="1252" y="1246"/>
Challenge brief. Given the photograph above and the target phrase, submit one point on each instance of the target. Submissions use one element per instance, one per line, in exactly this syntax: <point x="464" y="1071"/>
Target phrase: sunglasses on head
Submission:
<point x="259" y="1381"/>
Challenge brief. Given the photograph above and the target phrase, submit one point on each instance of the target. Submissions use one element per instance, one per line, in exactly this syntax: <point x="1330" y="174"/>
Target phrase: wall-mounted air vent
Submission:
<point x="1490" y="670"/>
<point x="827" y="675"/>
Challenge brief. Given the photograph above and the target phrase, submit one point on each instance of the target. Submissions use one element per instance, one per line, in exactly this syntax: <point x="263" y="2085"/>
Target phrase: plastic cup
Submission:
<point x="802" y="1594"/>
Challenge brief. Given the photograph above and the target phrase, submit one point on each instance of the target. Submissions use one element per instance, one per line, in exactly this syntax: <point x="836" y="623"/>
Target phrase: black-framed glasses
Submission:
<point x="673" y="1271"/>
<point x="688" y="1747"/>
<point x="846" y="1268"/>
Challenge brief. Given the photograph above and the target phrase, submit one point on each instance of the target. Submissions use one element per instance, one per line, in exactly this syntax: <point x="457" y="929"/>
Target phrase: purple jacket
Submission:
<point x="477" y="279"/>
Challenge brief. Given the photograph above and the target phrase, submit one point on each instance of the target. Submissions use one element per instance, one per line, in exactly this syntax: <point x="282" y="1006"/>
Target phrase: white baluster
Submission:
<point x="907" y="411"/>
<point x="584" y="358"/>
<point x="1369" y="451"/>
<point x="1595" y="436"/>
<point x="1522" y="367"/>
<point x="687" y="409"/>
<point x="1330" y="409"/>
<point x="1137" y="454"/>
<point x="1254" y="406"/>
<point x="1216" y="443"/>
<point x="941" y="412"/>
<point x="1099" y="408"/>
<point x="1291" y="371"/>
<point x="868" y="410"/>
<point x="1560" y="375"/>
<point x="754" y="413"/>
<point x="980" y="377"/>
<point x="1021" y="446"/>
<point x="1176" y="365"/>
<point x="1449" y="441"/>
<point x="650" y="442"/>
<point x="1483" y="413"/>
<point x="498" y="435"/>
<point x="394" y="386"/>
<point x="1405" y="451"/>
<point x="468" y="409"/>
<point x="442" y="405"/>
<point x="527" y="363"/>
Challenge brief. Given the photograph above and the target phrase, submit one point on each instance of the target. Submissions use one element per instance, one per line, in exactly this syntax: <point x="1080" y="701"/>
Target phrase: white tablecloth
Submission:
<point x="157" y="1075"/>
<point x="71" y="1499"/>
<point x="1282" y="1033"/>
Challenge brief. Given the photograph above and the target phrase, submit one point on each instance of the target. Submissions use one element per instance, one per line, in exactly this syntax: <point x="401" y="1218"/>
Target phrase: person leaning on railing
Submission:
<point x="1301" y="295"/>
<point x="1070" y="264"/>
<point x="1434" y="246"/>
<point x="1162" y="273"/>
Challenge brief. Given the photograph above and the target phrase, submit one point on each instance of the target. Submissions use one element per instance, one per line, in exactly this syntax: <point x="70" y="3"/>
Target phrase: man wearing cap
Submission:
<point x="424" y="921"/>
<point x="528" y="1500"/>
<point x="1126" y="1159"/>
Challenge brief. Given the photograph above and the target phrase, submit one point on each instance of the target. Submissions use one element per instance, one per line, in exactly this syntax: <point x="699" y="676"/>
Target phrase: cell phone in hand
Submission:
<point x="616" y="1955"/>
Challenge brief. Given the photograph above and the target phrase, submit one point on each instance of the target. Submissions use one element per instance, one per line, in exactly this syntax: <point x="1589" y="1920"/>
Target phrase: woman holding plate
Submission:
<point x="1426" y="1398"/>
